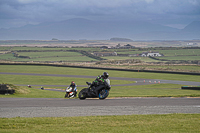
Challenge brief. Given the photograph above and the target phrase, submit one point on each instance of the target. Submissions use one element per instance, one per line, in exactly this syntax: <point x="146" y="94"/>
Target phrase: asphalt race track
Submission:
<point x="60" y="107"/>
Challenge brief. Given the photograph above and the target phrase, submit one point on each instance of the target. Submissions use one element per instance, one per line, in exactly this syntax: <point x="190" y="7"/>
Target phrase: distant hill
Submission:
<point x="121" y="39"/>
<point x="193" y="27"/>
<point x="75" y="29"/>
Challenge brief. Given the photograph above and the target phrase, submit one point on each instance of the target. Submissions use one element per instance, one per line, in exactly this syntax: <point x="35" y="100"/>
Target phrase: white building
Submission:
<point x="151" y="53"/>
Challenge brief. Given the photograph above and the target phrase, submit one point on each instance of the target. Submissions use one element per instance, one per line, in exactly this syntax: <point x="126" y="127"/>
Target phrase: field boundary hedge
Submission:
<point x="117" y="69"/>
<point x="177" y="61"/>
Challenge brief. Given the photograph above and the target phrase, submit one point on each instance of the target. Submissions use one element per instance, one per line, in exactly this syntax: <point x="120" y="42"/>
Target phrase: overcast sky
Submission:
<point x="174" y="13"/>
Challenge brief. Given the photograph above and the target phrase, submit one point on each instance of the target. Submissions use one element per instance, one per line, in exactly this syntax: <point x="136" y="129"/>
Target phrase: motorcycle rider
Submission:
<point x="73" y="85"/>
<point x="95" y="86"/>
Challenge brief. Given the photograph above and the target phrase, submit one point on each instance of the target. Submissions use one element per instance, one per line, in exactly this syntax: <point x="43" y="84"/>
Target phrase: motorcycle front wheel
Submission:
<point x="66" y="95"/>
<point x="103" y="94"/>
<point x="82" y="94"/>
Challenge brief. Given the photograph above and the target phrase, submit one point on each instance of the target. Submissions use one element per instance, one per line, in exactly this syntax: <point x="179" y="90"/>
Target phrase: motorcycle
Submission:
<point x="102" y="92"/>
<point x="70" y="93"/>
<point x="29" y="86"/>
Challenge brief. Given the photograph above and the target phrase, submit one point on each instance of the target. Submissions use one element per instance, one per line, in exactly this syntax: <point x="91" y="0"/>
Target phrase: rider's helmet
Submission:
<point x="73" y="83"/>
<point x="105" y="75"/>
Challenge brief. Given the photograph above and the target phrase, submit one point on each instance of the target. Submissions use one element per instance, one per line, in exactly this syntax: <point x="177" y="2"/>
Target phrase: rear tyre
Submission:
<point x="103" y="94"/>
<point x="82" y="94"/>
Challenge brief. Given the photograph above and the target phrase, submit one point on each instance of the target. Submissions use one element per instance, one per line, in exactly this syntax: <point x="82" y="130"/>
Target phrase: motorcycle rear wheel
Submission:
<point x="82" y="94"/>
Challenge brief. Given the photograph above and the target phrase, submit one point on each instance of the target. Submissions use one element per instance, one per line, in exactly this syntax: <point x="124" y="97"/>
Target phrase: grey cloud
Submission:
<point x="36" y="11"/>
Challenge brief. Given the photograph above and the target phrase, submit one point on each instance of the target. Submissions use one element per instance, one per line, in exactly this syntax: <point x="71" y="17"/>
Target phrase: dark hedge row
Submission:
<point x="116" y="69"/>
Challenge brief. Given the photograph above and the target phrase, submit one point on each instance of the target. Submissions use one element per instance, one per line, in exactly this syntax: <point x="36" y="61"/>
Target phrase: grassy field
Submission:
<point x="145" y="59"/>
<point x="57" y="59"/>
<point x="47" y="54"/>
<point x="180" y="57"/>
<point x="169" y="52"/>
<point x="166" y="123"/>
<point x="176" y="57"/>
<point x="50" y="80"/>
<point x="152" y="90"/>
<point x="175" y="123"/>
<point x="188" y="68"/>
<point x="94" y="72"/>
<point x="174" y="53"/>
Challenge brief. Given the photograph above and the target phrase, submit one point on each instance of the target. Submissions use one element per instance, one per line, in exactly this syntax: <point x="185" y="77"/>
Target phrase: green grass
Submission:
<point x="125" y="123"/>
<point x="47" y="49"/>
<point x="50" y="80"/>
<point x="37" y="48"/>
<point x="64" y="59"/>
<point x="187" y="68"/>
<point x="180" y="52"/>
<point x="25" y="92"/>
<point x="8" y="56"/>
<point x="169" y="52"/>
<point x="49" y="54"/>
<point x="180" y="57"/>
<point x="145" y="59"/>
<point x="94" y="72"/>
<point x="170" y="123"/>
<point x="152" y="90"/>
<point x="5" y="48"/>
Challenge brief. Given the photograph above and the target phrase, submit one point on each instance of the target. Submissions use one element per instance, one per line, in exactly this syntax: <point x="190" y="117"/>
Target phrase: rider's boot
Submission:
<point x="92" y="90"/>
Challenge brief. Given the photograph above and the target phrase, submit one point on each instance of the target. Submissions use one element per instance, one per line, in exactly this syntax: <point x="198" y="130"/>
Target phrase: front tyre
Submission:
<point x="103" y="94"/>
<point x="82" y="94"/>
<point x="66" y="95"/>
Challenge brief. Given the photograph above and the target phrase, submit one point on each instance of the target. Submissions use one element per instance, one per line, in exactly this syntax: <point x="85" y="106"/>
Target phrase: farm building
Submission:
<point x="151" y="53"/>
<point x="105" y="53"/>
<point x="128" y="46"/>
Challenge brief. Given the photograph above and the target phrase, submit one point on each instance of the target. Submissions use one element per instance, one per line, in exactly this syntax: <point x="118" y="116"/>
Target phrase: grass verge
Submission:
<point x="94" y="72"/>
<point x="175" y="123"/>
<point x="50" y="80"/>
<point x="25" y="92"/>
<point x="153" y="90"/>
